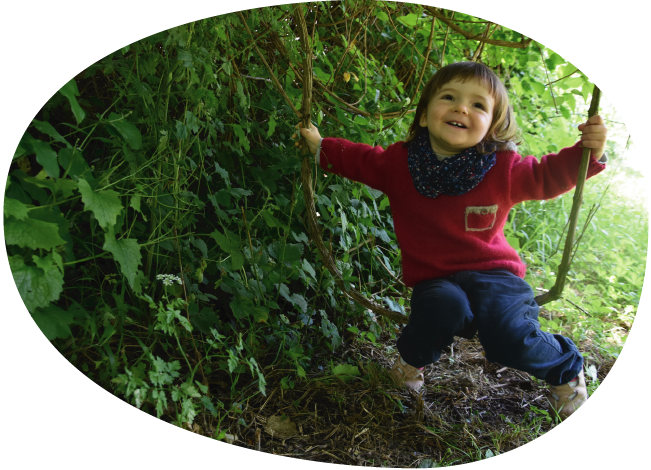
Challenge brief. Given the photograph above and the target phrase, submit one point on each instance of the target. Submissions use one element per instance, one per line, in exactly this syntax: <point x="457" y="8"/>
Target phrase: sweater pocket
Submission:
<point x="480" y="218"/>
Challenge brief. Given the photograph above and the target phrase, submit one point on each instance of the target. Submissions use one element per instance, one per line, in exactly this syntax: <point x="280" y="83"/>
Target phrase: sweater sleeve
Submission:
<point x="357" y="162"/>
<point x="552" y="176"/>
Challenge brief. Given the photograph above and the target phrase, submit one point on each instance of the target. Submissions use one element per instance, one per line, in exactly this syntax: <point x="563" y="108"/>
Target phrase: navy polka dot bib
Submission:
<point x="452" y="176"/>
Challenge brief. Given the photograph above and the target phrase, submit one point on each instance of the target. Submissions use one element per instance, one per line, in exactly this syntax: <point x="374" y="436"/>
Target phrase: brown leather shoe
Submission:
<point x="409" y="376"/>
<point x="567" y="398"/>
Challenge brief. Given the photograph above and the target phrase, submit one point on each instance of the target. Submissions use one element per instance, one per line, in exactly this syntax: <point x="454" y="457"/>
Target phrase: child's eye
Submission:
<point x="446" y="97"/>
<point x="480" y="106"/>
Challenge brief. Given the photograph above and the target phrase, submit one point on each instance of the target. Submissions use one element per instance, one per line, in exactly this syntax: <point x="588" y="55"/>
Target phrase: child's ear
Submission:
<point x="423" y="119"/>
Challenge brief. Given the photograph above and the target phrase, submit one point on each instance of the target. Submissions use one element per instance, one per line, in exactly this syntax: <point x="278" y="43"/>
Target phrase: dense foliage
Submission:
<point x="154" y="219"/>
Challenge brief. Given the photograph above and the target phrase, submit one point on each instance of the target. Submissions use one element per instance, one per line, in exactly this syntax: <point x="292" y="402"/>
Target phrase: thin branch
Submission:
<point x="551" y="91"/>
<point x="273" y="77"/>
<point x="523" y="44"/>
<point x="422" y="70"/>
<point x="556" y="291"/>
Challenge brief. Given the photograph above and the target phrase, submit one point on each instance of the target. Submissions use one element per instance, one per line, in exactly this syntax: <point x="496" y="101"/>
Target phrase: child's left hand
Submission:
<point x="593" y="135"/>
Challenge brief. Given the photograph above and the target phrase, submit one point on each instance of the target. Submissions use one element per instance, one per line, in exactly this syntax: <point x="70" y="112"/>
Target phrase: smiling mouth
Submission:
<point x="456" y="124"/>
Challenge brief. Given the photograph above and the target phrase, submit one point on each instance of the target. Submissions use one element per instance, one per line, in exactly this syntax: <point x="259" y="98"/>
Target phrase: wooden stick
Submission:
<point x="556" y="291"/>
<point x="308" y="193"/>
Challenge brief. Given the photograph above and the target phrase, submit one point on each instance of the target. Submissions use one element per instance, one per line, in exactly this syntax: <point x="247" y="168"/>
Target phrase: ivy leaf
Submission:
<point x="70" y="90"/>
<point x="32" y="233"/>
<point x="127" y="253"/>
<point x="105" y="204"/>
<point x="38" y="285"/>
<point x="128" y="131"/>
<point x="53" y="322"/>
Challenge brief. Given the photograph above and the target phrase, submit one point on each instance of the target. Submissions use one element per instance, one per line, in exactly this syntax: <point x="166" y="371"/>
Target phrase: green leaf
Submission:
<point x="38" y="285"/>
<point x="346" y="372"/>
<point x="570" y="100"/>
<point x="32" y="233"/>
<point x="241" y="307"/>
<point x="272" y="126"/>
<point x="53" y="321"/>
<point x="272" y="221"/>
<point x="127" y="253"/>
<point x="538" y="87"/>
<point x="105" y="204"/>
<point x="69" y="90"/>
<point x="382" y="16"/>
<point x="229" y="242"/>
<point x="296" y="299"/>
<point x="65" y="187"/>
<point x="128" y="131"/>
<point x="286" y="253"/>
<point x="134" y="202"/>
<point x="409" y="20"/>
<point x="73" y="163"/>
<point x="15" y="208"/>
<point x="224" y="174"/>
<point x="46" y="157"/>
<point x="239" y="132"/>
<point x="308" y="267"/>
<point x="260" y="314"/>
<point x="46" y="128"/>
<point x="237" y="260"/>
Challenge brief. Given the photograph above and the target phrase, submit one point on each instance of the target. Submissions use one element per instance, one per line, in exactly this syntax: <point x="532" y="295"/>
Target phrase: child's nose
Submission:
<point x="462" y="108"/>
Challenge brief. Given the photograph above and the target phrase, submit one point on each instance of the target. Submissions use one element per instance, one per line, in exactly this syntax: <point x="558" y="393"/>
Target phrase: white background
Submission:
<point x="54" y="416"/>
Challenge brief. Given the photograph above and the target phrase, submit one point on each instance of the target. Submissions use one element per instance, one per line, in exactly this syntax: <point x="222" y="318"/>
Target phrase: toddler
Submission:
<point x="451" y="185"/>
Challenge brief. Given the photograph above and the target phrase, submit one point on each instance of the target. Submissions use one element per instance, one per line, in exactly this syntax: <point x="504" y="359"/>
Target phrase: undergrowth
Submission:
<point x="154" y="218"/>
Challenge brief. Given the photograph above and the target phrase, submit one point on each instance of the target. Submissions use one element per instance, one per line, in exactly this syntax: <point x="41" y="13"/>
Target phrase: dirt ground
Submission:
<point x="469" y="409"/>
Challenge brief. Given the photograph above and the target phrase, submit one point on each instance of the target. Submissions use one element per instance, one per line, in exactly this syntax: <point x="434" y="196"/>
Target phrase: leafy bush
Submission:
<point x="154" y="218"/>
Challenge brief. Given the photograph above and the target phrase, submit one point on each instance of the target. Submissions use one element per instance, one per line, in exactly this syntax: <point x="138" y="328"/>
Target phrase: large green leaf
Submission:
<point x="32" y="233"/>
<point x="128" y="131"/>
<point x="127" y="253"/>
<point x="15" y="208"/>
<point x="38" y="285"/>
<point x="53" y="321"/>
<point x="70" y="91"/>
<point x="105" y="204"/>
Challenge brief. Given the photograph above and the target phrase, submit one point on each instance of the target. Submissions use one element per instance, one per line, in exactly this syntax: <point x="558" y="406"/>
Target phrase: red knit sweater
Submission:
<point x="447" y="234"/>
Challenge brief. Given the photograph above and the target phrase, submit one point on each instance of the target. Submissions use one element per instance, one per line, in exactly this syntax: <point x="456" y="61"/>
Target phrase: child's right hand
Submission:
<point x="311" y="136"/>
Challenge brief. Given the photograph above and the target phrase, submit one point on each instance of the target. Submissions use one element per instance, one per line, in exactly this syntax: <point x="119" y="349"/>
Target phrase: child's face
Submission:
<point x="458" y="116"/>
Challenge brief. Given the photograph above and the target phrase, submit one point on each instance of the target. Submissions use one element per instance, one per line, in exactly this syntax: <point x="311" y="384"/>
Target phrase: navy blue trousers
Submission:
<point x="500" y="307"/>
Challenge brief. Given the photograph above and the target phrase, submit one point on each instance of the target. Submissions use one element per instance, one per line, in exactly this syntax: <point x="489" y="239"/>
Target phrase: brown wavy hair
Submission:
<point x="503" y="131"/>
